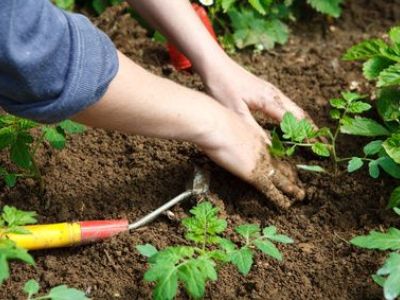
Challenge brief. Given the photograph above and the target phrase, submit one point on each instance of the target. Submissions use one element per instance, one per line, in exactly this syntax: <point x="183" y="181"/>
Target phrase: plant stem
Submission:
<point x="297" y="144"/>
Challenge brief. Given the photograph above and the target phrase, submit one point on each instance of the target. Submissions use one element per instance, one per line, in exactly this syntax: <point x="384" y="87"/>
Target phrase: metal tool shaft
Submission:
<point x="151" y="216"/>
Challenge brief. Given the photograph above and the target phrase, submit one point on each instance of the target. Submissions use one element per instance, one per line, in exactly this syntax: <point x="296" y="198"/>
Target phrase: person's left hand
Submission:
<point x="242" y="92"/>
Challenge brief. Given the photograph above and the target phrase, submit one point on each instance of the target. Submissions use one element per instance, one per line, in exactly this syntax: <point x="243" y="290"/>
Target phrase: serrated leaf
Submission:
<point x="15" y="217"/>
<point x="358" y="107"/>
<point x="394" y="200"/>
<point x="329" y="7"/>
<point x="392" y="147"/>
<point x="204" y="226"/>
<point x="147" y="250"/>
<point x="388" y="104"/>
<point x="63" y="292"/>
<point x="311" y="168"/>
<point x="271" y="233"/>
<point x="363" y="127"/>
<point x="296" y="130"/>
<point x="351" y="96"/>
<point x="374" y="66"/>
<point x="389" y="166"/>
<point x="71" y="127"/>
<point x="10" y="180"/>
<point x="227" y="245"/>
<point x="390" y="76"/>
<point x="373" y="169"/>
<point x="248" y="231"/>
<point x="257" y="5"/>
<point x="321" y="149"/>
<point x="276" y="148"/>
<point x="242" y="259"/>
<point x="391" y="267"/>
<point x="7" y="137"/>
<point x="338" y="103"/>
<point x="379" y="240"/>
<point x="335" y="114"/>
<point x="365" y="50"/>
<point x="354" y="164"/>
<point x="20" y="154"/>
<point x="54" y="137"/>
<point x="373" y="147"/>
<point x="227" y="4"/>
<point x="31" y="287"/>
<point x="193" y="279"/>
<point x="394" y="35"/>
<point x="268" y="248"/>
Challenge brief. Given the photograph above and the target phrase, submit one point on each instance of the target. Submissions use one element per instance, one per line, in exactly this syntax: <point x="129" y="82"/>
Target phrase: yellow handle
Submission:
<point x="48" y="236"/>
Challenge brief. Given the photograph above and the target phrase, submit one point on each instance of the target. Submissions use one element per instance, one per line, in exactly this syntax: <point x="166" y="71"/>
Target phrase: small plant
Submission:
<point x="11" y="221"/>
<point x="195" y="265"/>
<point x="61" y="292"/>
<point x="17" y="137"/>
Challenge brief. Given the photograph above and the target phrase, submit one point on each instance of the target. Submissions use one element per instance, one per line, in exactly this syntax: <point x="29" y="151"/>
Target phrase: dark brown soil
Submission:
<point x="110" y="175"/>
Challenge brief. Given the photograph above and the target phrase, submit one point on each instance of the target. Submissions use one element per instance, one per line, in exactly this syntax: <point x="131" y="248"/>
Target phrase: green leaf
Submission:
<point x="242" y="259"/>
<point x="31" y="287"/>
<point x="63" y="292"/>
<point x="392" y="147"/>
<point x="268" y="248"/>
<point x="147" y="250"/>
<point x="394" y="200"/>
<point x="65" y="4"/>
<point x="276" y="148"/>
<point x="227" y="245"/>
<point x="4" y="269"/>
<point x="379" y="280"/>
<point x="204" y="226"/>
<point x="296" y="130"/>
<point x="248" y="231"/>
<point x="16" y="217"/>
<point x="354" y="164"/>
<point x="373" y="169"/>
<point x="390" y="76"/>
<point x="335" y="114"/>
<point x="374" y="66"/>
<point x="99" y="6"/>
<point x="351" y="97"/>
<point x="379" y="240"/>
<point x="389" y="166"/>
<point x="192" y="278"/>
<point x="388" y="104"/>
<point x="358" y="107"/>
<point x="54" y="137"/>
<point x="363" y="127"/>
<point x="71" y="127"/>
<point x="311" y="168"/>
<point x="227" y="4"/>
<point x="7" y="137"/>
<point x="396" y="210"/>
<point x="20" y="154"/>
<point x="256" y="4"/>
<point x="321" y="149"/>
<point x="391" y="267"/>
<point x="338" y="103"/>
<point x="270" y="232"/>
<point x="10" y="180"/>
<point x="394" y="35"/>
<point x="373" y="147"/>
<point x="365" y="50"/>
<point x="329" y="7"/>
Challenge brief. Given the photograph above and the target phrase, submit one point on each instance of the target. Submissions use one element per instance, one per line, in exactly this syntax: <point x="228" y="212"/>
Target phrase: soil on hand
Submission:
<point x="104" y="175"/>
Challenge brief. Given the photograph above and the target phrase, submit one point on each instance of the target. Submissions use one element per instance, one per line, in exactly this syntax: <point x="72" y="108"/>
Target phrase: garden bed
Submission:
<point x="111" y="175"/>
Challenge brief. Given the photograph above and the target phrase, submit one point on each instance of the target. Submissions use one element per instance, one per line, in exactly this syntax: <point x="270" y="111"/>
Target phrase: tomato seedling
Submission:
<point x="61" y="292"/>
<point x="16" y="136"/>
<point x="195" y="265"/>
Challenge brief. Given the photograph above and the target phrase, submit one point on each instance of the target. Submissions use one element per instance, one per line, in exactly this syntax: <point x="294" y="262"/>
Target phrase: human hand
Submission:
<point x="241" y="149"/>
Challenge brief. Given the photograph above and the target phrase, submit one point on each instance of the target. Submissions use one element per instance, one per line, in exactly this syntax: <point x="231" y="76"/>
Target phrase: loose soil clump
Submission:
<point x="105" y="175"/>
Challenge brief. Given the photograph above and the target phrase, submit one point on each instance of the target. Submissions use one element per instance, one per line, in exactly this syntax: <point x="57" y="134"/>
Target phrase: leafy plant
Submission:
<point x="16" y="136"/>
<point x="61" y="292"/>
<point x="11" y="221"/>
<point x="194" y="265"/>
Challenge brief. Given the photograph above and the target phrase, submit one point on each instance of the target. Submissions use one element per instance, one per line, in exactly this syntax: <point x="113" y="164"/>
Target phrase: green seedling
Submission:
<point x="61" y="292"/>
<point x="11" y="221"/>
<point x="18" y="138"/>
<point x="194" y="265"/>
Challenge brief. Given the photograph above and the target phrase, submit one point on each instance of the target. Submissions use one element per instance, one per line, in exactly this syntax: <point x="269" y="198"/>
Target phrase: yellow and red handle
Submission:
<point x="67" y="234"/>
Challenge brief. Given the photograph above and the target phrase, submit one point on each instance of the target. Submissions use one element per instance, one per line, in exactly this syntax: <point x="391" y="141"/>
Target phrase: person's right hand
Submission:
<point x="241" y="149"/>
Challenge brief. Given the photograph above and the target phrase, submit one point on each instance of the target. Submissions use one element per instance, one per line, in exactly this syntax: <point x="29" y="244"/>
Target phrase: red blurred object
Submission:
<point x="92" y="231"/>
<point x="180" y="61"/>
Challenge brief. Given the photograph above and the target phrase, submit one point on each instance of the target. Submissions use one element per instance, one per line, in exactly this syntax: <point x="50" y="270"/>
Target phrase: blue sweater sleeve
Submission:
<point x="53" y="64"/>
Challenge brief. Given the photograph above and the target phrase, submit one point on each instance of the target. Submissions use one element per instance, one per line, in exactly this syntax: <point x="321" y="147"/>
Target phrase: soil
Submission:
<point x="102" y="175"/>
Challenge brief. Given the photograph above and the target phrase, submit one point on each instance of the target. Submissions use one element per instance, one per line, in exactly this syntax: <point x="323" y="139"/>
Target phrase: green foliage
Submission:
<point x="19" y="137"/>
<point x="193" y="266"/>
<point x="99" y="6"/>
<point x="61" y="292"/>
<point x="11" y="220"/>
<point x="329" y="7"/>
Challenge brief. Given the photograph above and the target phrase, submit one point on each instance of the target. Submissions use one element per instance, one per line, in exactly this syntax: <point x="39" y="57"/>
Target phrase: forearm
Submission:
<point x="141" y="103"/>
<point x="177" y="20"/>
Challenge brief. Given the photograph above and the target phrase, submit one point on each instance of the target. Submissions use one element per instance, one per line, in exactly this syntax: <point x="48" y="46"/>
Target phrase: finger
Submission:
<point x="288" y="187"/>
<point x="286" y="169"/>
<point x="274" y="194"/>
<point x="248" y="117"/>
